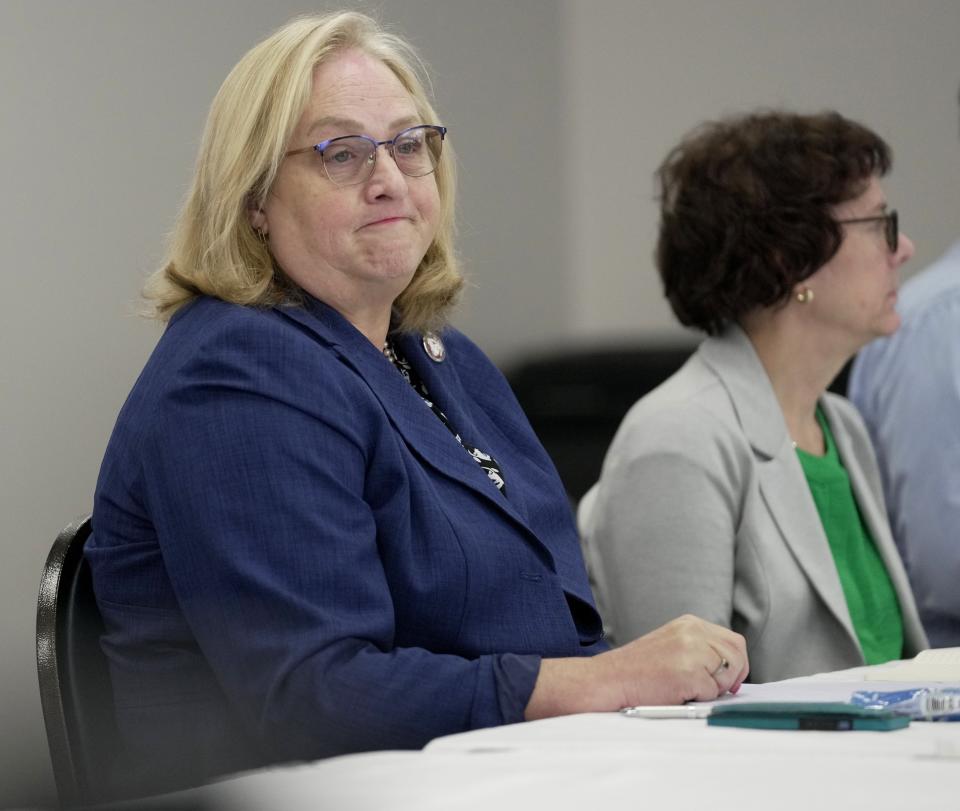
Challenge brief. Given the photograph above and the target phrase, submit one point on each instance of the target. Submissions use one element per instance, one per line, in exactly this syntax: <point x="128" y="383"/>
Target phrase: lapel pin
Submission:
<point x="434" y="347"/>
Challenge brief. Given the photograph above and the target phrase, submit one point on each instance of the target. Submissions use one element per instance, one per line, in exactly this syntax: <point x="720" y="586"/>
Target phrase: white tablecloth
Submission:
<point x="609" y="761"/>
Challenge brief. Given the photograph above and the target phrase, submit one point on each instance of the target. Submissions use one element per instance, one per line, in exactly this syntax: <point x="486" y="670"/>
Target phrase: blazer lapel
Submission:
<point x="442" y="380"/>
<point x="782" y="483"/>
<point x="423" y="432"/>
<point x="874" y="513"/>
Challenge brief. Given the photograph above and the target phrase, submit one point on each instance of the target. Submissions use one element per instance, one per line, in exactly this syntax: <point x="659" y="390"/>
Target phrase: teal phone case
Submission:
<point x="807" y="715"/>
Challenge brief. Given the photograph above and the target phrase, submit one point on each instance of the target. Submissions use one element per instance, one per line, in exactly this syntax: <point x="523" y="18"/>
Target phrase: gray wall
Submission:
<point x="103" y="103"/>
<point x="642" y="74"/>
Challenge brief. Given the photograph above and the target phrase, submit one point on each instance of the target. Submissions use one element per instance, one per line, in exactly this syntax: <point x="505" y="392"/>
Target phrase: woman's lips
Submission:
<point x="385" y="221"/>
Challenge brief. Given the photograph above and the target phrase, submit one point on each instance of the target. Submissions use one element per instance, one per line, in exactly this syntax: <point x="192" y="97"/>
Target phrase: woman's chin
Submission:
<point x="890" y="324"/>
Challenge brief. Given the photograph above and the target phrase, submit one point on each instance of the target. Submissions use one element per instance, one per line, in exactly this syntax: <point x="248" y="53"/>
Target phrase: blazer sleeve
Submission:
<point x="660" y="535"/>
<point x="259" y="479"/>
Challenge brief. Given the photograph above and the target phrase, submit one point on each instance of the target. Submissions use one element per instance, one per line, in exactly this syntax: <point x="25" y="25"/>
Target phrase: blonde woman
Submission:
<point x="323" y="524"/>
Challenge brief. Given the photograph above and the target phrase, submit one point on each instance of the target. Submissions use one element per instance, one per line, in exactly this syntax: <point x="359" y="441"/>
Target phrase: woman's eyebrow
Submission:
<point x="351" y="126"/>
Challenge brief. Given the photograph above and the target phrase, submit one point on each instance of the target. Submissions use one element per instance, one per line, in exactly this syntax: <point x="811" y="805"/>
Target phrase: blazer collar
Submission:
<point x="423" y="432"/>
<point x="783" y="486"/>
<point x="734" y="360"/>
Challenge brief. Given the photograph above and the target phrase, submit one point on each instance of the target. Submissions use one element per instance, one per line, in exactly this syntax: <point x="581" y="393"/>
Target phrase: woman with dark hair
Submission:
<point x="740" y="490"/>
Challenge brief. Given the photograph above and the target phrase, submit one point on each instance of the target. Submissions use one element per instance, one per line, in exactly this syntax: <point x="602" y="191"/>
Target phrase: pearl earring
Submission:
<point x="805" y="296"/>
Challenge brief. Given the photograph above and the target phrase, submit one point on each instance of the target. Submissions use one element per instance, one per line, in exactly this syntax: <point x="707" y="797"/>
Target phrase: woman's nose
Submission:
<point x="386" y="177"/>
<point x="905" y="248"/>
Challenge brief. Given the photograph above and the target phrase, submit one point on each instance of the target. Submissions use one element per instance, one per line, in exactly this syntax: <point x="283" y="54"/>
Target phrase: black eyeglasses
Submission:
<point x="891" y="228"/>
<point x="350" y="159"/>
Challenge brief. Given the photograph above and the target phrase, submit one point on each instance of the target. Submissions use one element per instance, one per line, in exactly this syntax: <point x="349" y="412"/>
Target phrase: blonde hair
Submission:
<point x="214" y="250"/>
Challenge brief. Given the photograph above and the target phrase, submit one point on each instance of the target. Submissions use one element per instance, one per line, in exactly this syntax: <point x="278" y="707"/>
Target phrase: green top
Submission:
<point x="871" y="599"/>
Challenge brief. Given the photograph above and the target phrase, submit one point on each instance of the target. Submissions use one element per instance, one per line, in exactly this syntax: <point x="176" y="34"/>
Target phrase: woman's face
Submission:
<point x="354" y="247"/>
<point x="855" y="293"/>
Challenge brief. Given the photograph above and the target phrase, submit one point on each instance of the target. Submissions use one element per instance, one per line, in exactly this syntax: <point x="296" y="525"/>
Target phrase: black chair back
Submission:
<point x="74" y="677"/>
<point x="575" y="400"/>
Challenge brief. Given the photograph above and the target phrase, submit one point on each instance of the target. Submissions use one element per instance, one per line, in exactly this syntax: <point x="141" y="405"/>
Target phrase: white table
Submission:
<point x="609" y="761"/>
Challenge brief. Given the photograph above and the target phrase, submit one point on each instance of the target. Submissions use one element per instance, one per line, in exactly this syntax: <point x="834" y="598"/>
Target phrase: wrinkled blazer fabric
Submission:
<point x="295" y="558"/>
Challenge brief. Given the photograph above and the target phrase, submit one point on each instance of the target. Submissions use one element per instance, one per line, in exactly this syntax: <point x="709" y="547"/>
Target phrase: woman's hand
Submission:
<point x="687" y="659"/>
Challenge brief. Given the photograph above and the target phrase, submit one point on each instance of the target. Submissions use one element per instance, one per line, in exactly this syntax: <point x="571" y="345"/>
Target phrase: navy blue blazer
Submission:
<point x="295" y="558"/>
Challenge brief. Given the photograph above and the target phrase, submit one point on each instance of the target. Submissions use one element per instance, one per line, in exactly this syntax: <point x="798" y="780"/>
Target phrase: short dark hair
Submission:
<point x="745" y="208"/>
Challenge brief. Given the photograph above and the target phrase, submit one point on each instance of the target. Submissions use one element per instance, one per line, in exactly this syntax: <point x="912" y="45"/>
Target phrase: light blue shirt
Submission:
<point x="907" y="387"/>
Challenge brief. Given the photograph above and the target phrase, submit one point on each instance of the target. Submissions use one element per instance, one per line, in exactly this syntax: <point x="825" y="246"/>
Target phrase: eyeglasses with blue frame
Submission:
<point x="350" y="159"/>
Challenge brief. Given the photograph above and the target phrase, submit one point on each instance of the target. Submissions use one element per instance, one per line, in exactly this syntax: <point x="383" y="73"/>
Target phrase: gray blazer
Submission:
<point x="702" y="508"/>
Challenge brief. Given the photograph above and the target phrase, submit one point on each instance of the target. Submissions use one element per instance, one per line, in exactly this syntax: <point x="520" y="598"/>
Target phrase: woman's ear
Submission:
<point x="257" y="216"/>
